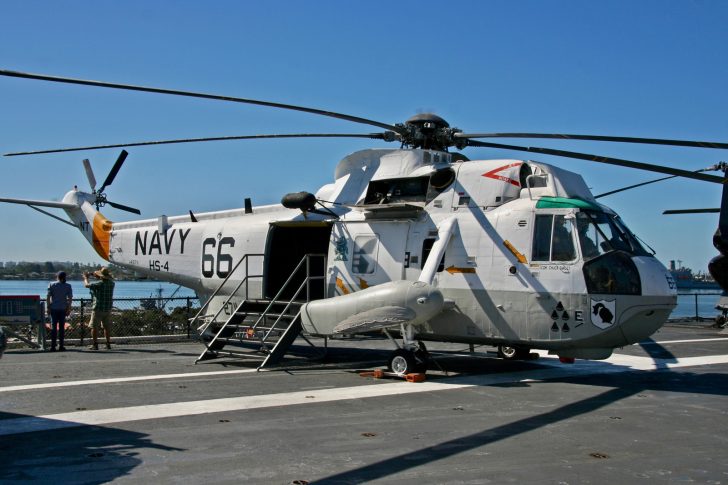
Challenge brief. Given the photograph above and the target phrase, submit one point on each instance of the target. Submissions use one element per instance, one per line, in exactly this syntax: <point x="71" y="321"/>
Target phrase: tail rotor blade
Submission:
<point x="114" y="170"/>
<point x="124" y="207"/>
<point x="89" y="174"/>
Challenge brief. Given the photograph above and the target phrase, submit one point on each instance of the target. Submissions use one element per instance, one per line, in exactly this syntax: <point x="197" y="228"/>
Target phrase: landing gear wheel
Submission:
<point x="507" y="352"/>
<point x="403" y="362"/>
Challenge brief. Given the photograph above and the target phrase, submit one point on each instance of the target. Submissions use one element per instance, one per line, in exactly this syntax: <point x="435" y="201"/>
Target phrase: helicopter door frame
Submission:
<point x="420" y="240"/>
<point x="552" y="312"/>
<point x="286" y="244"/>
<point x="366" y="253"/>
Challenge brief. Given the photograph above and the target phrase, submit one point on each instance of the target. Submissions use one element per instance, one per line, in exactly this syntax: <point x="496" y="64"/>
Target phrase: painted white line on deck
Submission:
<point x="113" y="380"/>
<point x="157" y="411"/>
<point x="683" y="341"/>
<point x="648" y="363"/>
<point x="617" y="364"/>
<point x="622" y="362"/>
<point x="633" y="362"/>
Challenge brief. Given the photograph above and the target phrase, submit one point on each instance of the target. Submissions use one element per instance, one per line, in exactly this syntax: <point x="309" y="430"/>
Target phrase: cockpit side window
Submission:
<point x="600" y="233"/>
<point x="563" y="241"/>
<point x="542" y="238"/>
<point x="553" y="238"/>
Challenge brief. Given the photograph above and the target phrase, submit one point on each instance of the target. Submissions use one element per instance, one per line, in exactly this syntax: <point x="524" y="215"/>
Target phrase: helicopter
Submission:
<point x="419" y="243"/>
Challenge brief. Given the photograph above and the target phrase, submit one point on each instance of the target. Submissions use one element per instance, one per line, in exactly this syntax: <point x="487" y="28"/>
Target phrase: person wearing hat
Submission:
<point x="58" y="304"/>
<point x="102" y="297"/>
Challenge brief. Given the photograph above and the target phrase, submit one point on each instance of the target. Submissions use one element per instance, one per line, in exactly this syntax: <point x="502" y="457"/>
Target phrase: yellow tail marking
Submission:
<point x="455" y="269"/>
<point x="363" y="284"/>
<point x="521" y="258"/>
<point x="340" y="284"/>
<point x="101" y="235"/>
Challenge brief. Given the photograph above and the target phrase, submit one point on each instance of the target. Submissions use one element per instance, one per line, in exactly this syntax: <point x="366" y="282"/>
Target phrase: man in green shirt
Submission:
<point x="102" y="297"/>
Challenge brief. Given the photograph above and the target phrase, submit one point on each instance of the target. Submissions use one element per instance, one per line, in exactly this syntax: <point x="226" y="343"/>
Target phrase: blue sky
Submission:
<point x="647" y="68"/>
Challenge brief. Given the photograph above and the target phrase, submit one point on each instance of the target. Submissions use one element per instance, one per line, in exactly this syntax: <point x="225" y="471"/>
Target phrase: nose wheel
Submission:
<point x="513" y="353"/>
<point x="405" y="361"/>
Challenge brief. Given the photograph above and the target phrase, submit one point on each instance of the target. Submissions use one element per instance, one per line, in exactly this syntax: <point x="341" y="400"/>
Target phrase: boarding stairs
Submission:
<point x="260" y="328"/>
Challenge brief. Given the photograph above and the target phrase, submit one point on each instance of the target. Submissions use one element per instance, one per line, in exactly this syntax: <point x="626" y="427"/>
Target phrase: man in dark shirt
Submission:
<point x="58" y="302"/>
<point x="3" y="342"/>
<point x="102" y="297"/>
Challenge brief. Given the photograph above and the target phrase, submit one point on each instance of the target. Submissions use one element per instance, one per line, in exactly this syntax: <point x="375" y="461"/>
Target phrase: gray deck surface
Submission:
<point x="655" y="413"/>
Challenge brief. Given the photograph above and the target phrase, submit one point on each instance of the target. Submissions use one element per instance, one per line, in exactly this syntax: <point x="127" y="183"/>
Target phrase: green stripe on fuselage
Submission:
<point x="565" y="203"/>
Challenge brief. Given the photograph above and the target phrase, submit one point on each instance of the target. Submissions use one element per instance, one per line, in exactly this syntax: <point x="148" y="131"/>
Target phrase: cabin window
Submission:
<point x="553" y="238"/>
<point x="364" y="258"/>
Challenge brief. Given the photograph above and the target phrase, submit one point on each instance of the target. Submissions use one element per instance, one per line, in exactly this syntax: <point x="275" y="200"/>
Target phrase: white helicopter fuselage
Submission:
<point x="524" y="250"/>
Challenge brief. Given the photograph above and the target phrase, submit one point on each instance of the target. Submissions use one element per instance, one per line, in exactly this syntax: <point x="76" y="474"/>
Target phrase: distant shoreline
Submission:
<point x="70" y="278"/>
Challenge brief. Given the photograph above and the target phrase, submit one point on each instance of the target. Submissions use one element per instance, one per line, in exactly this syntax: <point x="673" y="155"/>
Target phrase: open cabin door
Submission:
<point x="364" y="254"/>
<point x="287" y="244"/>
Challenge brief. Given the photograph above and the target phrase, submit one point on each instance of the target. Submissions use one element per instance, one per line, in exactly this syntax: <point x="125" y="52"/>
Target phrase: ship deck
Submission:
<point x="654" y="412"/>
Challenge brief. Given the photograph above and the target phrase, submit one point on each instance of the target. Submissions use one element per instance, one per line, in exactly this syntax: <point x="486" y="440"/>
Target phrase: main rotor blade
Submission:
<point x="608" y="160"/>
<point x="620" y="139"/>
<point x="129" y="87"/>
<point x="387" y="136"/>
<point x="89" y="174"/>
<point x="114" y="170"/>
<point x="691" y="211"/>
<point x="611" y="192"/>
<point x="123" y="207"/>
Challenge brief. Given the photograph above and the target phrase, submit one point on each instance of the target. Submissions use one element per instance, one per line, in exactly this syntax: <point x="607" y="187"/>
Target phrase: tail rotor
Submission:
<point x="99" y="193"/>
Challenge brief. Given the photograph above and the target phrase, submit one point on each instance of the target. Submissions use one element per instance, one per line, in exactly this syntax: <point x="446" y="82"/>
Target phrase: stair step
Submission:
<point x="283" y="344"/>
<point x="270" y="315"/>
<point x="253" y="354"/>
<point x="275" y="303"/>
<point x="269" y="325"/>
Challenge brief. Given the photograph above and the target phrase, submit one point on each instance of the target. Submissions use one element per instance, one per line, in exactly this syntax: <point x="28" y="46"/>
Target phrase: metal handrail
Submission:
<point x="233" y="293"/>
<point x="305" y="282"/>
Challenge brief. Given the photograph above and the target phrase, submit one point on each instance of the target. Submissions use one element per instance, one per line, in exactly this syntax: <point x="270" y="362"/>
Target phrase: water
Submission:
<point x="122" y="289"/>
<point x="707" y="299"/>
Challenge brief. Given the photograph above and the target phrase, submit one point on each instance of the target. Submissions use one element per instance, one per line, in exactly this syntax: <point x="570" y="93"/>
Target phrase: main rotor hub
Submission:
<point x="428" y="121"/>
<point x="428" y="131"/>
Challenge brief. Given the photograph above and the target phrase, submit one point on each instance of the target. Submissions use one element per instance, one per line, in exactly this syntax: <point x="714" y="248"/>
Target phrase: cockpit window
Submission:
<point x="637" y="248"/>
<point x="600" y="233"/>
<point x="614" y="273"/>
<point x="553" y="238"/>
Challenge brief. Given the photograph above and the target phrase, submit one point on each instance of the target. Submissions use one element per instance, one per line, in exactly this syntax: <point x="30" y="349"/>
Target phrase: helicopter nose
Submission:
<point x="643" y="317"/>
<point x="655" y="279"/>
